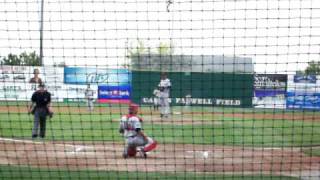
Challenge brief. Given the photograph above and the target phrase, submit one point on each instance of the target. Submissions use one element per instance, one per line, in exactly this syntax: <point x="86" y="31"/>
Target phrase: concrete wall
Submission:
<point x="193" y="63"/>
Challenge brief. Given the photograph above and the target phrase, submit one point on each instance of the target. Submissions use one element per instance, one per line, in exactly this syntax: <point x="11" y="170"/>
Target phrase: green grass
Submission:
<point x="21" y="172"/>
<point x="209" y="129"/>
<point x="179" y="108"/>
<point x="312" y="151"/>
<point x="222" y="131"/>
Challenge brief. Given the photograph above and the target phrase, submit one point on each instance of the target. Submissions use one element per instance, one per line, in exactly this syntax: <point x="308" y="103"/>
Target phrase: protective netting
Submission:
<point x="159" y="89"/>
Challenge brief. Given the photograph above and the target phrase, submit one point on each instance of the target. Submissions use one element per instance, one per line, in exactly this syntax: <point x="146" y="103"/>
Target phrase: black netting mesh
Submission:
<point x="159" y="89"/>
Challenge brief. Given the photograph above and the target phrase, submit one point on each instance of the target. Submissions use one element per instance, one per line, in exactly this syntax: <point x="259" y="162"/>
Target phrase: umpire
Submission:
<point x="40" y="108"/>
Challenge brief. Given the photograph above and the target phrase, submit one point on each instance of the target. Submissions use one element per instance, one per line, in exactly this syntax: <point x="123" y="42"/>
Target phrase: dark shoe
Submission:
<point x="34" y="136"/>
<point x="125" y="154"/>
<point x="142" y="153"/>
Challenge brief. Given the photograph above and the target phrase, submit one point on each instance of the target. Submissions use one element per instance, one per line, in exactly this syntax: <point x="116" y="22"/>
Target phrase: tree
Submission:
<point x="24" y="59"/>
<point x="143" y="59"/>
<point x="135" y="53"/>
<point x="165" y="49"/>
<point x="12" y="60"/>
<point x="31" y="59"/>
<point x="138" y="50"/>
<point x="313" y="68"/>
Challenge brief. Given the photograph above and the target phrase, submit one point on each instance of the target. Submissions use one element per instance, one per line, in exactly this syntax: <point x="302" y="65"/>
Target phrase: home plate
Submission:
<point x="79" y="149"/>
<point x="199" y="154"/>
<point x="176" y="112"/>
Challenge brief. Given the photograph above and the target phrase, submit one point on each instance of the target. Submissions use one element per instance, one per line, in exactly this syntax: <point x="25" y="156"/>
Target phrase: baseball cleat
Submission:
<point x="142" y="153"/>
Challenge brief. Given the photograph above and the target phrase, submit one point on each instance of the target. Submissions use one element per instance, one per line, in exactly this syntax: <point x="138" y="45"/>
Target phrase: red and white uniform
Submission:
<point x="129" y="123"/>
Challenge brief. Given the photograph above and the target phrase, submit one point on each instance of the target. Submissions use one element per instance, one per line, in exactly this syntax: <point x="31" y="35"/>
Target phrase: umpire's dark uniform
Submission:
<point x="41" y="98"/>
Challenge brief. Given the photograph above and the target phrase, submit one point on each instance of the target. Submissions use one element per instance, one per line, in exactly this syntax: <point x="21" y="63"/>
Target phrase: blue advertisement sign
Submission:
<point x="85" y="75"/>
<point x="310" y="79"/>
<point x="114" y="92"/>
<point x="268" y="92"/>
<point x="303" y="100"/>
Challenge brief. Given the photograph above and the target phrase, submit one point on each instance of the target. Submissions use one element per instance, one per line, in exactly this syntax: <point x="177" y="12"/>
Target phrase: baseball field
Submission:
<point x="194" y="143"/>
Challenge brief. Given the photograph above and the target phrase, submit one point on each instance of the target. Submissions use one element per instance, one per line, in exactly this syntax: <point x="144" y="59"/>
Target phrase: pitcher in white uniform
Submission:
<point x="164" y="86"/>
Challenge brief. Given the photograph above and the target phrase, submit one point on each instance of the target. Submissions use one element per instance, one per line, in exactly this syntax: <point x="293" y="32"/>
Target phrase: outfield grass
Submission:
<point x="21" y="172"/>
<point x="312" y="151"/>
<point x="220" y="109"/>
<point x="207" y="129"/>
<point x="221" y="131"/>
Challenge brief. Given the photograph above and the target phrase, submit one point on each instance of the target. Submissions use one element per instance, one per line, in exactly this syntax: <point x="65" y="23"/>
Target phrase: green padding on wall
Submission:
<point x="210" y="89"/>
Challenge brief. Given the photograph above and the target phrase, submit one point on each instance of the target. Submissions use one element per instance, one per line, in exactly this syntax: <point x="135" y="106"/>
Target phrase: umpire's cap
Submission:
<point x="133" y="108"/>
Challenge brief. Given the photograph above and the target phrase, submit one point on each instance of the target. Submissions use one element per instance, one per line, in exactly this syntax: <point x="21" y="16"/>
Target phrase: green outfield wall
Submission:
<point x="195" y="88"/>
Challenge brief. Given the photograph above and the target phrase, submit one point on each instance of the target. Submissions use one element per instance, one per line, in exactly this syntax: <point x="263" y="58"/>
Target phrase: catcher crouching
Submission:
<point x="135" y="139"/>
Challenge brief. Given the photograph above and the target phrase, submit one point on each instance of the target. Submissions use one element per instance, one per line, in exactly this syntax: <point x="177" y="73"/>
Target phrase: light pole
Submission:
<point x="41" y="32"/>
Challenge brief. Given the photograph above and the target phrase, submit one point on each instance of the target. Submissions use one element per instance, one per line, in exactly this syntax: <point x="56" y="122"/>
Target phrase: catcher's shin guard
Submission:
<point x="129" y="152"/>
<point x="150" y="147"/>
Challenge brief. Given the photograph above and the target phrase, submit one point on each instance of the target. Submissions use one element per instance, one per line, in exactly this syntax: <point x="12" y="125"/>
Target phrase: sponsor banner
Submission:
<point x="84" y="75"/>
<point x="18" y="74"/>
<point x="16" y="91"/>
<point x="270" y="82"/>
<point x="114" y="101"/>
<point x="197" y="101"/>
<point x="15" y="83"/>
<point x="270" y="90"/>
<point x="278" y="101"/>
<point x="303" y="92"/>
<point x="309" y="79"/>
<point x="53" y="74"/>
<point x="114" y="94"/>
<point x="308" y="86"/>
<point x="78" y="91"/>
<point x="303" y="100"/>
<point x="23" y="91"/>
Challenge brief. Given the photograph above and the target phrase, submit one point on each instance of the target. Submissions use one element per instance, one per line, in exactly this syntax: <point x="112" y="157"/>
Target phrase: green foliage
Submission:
<point x="12" y="60"/>
<point x="135" y="53"/>
<point x="138" y="50"/>
<point x="31" y="59"/>
<point x="313" y="68"/>
<point x="24" y="59"/>
<point x="165" y="49"/>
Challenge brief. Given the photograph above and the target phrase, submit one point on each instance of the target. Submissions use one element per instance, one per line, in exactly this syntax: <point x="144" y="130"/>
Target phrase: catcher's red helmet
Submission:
<point x="133" y="108"/>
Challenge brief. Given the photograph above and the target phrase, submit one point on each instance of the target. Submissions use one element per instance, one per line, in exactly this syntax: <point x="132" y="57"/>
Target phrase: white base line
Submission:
<point x="35" y="142"/>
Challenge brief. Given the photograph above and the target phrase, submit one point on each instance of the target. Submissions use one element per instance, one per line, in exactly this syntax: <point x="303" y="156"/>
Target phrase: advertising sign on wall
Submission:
<point x="114" y="94"/>
<point x="113" y="85"/>
<point x="270" y="90"/>
<point x="84" y="75"/>
<point x="303" y="100"/>
<point x="17" y="85"/>
<point x="65" y="84"/>
<point x="303" y="92"/>
<point x="308" y="79"/>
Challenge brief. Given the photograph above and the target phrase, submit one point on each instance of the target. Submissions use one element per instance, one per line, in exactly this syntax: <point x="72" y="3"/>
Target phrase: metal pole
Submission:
<point x="41" y="32"/>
